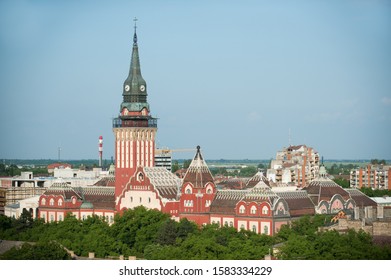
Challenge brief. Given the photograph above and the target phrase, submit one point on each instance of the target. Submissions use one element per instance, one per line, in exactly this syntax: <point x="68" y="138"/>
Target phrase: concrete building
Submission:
<point x="14" y="189"/>
<point x="2" y="200"/>
<point x="372" y="176"/>
<point x="29" y="204"/>
<point x="295" y="165"/>
<point x="163" y="159"/>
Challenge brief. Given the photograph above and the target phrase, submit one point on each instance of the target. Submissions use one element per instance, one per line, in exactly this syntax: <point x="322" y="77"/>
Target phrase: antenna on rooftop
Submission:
<point x="59" y="153"/>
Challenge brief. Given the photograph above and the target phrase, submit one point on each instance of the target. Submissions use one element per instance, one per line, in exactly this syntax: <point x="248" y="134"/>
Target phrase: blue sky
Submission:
<point x="231" y="76"/>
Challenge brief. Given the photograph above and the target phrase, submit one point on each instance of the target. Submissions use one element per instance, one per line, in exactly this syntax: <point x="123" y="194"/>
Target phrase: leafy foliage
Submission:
<point x="301" y="240"/>
<point x="39" y="251"/>
<point x="375" y="193"/>
<point x="152" y="234"/>
<point x="342" y="182"/>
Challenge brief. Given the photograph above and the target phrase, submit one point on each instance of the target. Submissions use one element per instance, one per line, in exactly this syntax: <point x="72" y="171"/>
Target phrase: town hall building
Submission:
<point x="136" y="181"/>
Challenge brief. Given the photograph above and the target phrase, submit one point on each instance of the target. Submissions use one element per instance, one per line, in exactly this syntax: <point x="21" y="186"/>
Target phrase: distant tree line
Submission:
<point x="375" y="192"/>
<point x="341" y="169"/>
<point x="151" y="234"/>
<point x="378" y="161"/>
<point x="13" y="170"/>
<point x="247" y="171"/>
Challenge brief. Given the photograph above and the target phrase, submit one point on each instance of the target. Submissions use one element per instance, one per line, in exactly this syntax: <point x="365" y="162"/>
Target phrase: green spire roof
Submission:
<point x="135" y="87"/>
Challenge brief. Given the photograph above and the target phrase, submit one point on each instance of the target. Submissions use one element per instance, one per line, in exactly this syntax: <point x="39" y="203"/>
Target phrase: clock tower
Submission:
<point x="134" y="129"/>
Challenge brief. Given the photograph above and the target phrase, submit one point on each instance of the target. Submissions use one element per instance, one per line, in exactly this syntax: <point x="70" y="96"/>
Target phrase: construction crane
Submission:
<point x="165" y="151"/>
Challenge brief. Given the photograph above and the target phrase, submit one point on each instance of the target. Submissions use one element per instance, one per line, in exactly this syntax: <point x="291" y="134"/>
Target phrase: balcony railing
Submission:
<point x="141" y="122"/>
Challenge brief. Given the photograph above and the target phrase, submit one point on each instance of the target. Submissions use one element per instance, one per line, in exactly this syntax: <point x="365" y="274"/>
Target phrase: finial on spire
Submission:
<point x="135" y="27"/>
<point x="135" y="23"/>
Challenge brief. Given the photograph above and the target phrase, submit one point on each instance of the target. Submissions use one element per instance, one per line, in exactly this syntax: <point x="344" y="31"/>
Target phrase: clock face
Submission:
<point x="142" y="87"/>
<point x="127" y="87"/>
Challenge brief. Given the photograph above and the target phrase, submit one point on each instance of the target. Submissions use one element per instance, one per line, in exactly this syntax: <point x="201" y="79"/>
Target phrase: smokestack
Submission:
<point x="100" y="150"/>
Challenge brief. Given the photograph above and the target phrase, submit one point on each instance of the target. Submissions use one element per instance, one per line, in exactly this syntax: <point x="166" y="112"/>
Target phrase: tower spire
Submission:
<point x="135" y="33"/>
<point x="135" y="87"/>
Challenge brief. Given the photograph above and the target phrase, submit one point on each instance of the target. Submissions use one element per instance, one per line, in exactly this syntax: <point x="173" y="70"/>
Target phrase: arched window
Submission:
<point x="265" y="230"/>
<point x="242" y="209"/>
<point x="59" y="202"/>
<point x="253" y="209"/>
<point x="43" y="201"/>
<point x="188" y="190"/>
<point x="254" y="228"/>
<point x="231" y="224"/>
<point x="226" y="223"/>
<point x="51" y="202"/>
<point x="265" y="210"/>
<point x="242" y="226"/>
<point x="51" y="218"/>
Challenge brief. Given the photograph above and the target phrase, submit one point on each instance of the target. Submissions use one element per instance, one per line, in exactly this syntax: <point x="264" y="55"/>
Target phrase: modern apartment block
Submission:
<point x="373" y="176"/>
<point x="294" y="165"/>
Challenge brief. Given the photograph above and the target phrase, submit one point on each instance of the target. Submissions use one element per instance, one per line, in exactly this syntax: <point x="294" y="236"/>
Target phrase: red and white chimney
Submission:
<point x="100" y="150"/>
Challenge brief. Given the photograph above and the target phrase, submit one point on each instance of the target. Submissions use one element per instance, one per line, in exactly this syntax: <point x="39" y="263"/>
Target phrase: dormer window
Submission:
<point x="188" y="189"/>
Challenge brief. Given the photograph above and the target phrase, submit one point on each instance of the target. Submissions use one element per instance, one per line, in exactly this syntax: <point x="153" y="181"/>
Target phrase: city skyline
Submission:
<point x="240" y="80"/>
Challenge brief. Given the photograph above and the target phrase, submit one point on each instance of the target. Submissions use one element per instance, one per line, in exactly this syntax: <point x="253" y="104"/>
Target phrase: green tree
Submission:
<point x="39" y="251"/>
<point x="167" y="233"/>
<point x="342" y="182"/>
<point x="261" y="166"/>
<point x="136" y="228"/>
<point x="175" y="166"/>
<point x="186" y="163"/>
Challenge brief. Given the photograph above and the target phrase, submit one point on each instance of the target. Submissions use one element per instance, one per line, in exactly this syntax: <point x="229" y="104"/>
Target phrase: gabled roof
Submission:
<point x="260" y="192"/>
<point x="198" y="173"/>
<point x="100" y="197"/>
<point x="225" y="201"/>
<point x="164" y="182"/>
<point x="324" y="189"/>
<point x="258" y="177"/>
<point x="63" y="189"/>
<point x="361" y="199"/>
<point x="108" y="181"/>
<point x="59" y="165"/>
<point x="298" y="202"/>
